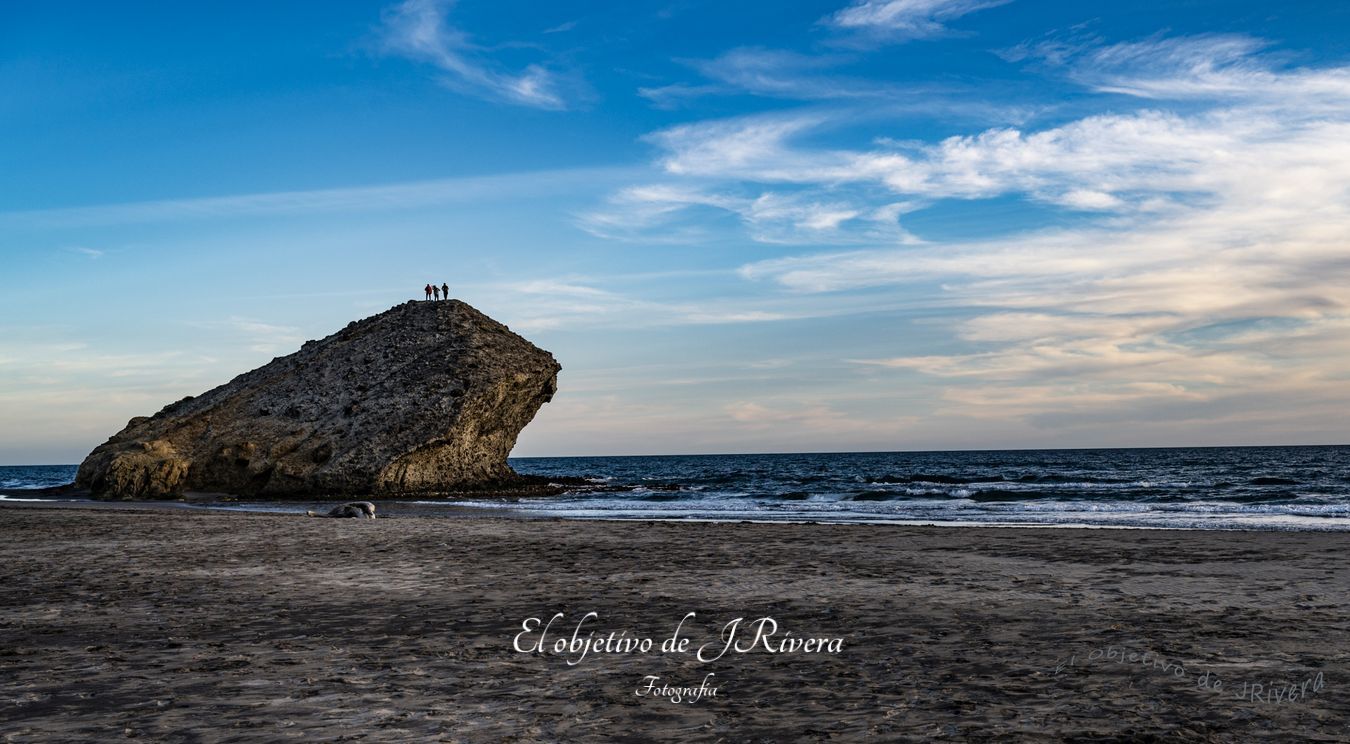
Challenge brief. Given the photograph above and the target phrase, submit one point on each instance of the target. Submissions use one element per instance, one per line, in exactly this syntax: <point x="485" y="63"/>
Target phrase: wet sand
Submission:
<point x="198" y="626"/>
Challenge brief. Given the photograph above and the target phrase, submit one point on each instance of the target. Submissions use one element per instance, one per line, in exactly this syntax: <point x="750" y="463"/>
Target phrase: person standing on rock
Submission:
<point x="445" y="291"/>
<point x="428" y="288"/>
<point x="436" y="291"/>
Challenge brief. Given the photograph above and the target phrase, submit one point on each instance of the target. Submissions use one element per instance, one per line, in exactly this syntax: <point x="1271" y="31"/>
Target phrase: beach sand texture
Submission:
<point x="179" y="626"/>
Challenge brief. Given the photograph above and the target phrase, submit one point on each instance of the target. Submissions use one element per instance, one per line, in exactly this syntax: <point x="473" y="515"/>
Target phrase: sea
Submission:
<point x="1262" y="488"/>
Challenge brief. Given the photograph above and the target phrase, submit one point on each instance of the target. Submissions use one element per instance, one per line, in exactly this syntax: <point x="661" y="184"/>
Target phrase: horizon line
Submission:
<point x="849" y="452"/>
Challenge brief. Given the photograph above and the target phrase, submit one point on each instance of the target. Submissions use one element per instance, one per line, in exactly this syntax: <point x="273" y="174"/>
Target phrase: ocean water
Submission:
<point x="1298" y="488"/>
<point x="31" y="477"/>
<point x="1301" y="488"/>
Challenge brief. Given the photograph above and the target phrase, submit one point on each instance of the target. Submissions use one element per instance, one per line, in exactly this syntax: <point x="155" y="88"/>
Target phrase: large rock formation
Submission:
<point x="424" y="398"/>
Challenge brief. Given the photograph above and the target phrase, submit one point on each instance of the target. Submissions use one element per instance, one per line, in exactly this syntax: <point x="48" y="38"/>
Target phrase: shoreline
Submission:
<point x="521" y="486"/>
<point x="254" y="627"/>
<point x="467" y="508"/>
<point x="449" y="509"/>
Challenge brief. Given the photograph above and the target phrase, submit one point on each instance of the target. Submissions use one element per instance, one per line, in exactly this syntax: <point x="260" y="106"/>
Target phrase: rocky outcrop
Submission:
<point x="426" y="398"/>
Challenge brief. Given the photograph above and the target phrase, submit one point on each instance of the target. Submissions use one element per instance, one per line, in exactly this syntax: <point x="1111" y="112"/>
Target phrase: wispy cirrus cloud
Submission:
<point x="408" y="195"/>
<point x="756" y="168"/>
<point x="1105" y="162"/>
<point x="1205" y="67"/>
<point x="679" y="213"/>
<point x="1209" y="281"/>
<point x="824" y="78"/>
<point x="771" y="73"/>
<point x="562" y="27"/>
<point x="897" y="20"/>
<point x="420" y="30"/>
<point x="577" y="302"/>
<point x="755" y="148"/>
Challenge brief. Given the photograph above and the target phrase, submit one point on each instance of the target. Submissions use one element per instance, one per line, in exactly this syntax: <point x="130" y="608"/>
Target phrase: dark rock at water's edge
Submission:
<point x="425" y="399"/>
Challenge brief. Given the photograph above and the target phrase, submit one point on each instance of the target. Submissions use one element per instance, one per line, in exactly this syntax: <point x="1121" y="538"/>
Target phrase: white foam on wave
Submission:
<point x="1122" y="515"/>
<point x="39" y="500"/>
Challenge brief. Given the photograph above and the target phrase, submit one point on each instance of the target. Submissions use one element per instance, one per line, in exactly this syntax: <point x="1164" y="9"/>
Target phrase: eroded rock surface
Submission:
<point x="425" y="398"/>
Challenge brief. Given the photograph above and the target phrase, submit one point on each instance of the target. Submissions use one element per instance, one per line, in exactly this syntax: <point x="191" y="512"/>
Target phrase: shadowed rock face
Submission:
<point x="424" y="398"/>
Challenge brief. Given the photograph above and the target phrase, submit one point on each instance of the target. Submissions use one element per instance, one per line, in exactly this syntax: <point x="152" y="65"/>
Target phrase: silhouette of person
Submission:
<point x="436" y="291"/>
<point x="428" y="288"/>
<point x="445" y="291"/>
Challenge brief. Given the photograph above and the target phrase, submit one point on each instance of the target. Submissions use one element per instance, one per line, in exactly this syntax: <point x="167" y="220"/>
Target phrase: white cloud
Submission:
<point x="1140" y="159"/>
<point x="410" y="195"/>
<point x="1212" y="67"/>
<point x="772" y="73"/>
<point x="1211" y="280"/>
<point x="748" y="316"/>
<point x="674" y="95"/>
<point x="561" y="27"/>
<point x="905" y="19"/>
<point x="669" y="213"/>
<point x="576" y="302"/>
<point x="418" y="29"/>
<point x="822" y="78"/>
<point x="751" y="147"/>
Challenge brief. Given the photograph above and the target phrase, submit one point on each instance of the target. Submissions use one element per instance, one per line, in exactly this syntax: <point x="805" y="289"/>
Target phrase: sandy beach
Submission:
<point x="185" y="626"/>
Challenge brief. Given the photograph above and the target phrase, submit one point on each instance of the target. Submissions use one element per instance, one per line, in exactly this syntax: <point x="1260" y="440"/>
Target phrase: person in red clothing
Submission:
<point x="428" y="288"/>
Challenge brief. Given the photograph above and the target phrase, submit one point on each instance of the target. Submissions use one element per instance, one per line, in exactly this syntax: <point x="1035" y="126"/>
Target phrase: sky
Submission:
<point x="740" y="227"/>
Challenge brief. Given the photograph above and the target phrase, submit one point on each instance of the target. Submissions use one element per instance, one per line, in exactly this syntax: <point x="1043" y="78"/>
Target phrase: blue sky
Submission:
<point x="741" y="227"/>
